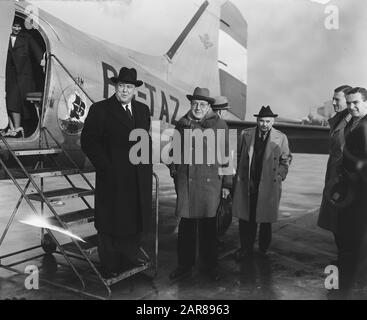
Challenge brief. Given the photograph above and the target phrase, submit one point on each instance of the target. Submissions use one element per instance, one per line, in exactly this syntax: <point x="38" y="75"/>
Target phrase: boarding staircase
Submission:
<point x="48" y="152"/>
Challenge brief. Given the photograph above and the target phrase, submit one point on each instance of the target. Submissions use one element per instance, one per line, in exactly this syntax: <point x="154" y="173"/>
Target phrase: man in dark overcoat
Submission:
<point x="328" y="216"/>
<point x="123" y="189"/>
<point x="23" y="54"/>
<point x="352" y="224"/>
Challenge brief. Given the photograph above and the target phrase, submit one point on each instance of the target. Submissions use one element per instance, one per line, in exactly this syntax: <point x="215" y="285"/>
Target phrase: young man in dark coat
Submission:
<point x="352" y="224"/>
<point x="328" y="216"/>
<point x="123" y="190"/>
<point x="23" y="53"/>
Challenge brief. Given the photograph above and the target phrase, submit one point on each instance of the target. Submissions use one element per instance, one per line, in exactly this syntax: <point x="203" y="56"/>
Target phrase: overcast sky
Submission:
<point x="294" y="61"/>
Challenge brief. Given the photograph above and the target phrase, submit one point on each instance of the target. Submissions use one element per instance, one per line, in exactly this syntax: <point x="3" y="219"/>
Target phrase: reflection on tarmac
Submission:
<point x="294" y="269"/>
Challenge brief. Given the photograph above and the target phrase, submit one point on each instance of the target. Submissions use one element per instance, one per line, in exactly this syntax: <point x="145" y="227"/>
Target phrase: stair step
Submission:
<point x="128" y="273"/>
<point x="44" y="172"/>
<point x="74" y="218"/>
<point x="89" y="246"/>
<point x="62" y="194"/>
<point x="34" y="152"/>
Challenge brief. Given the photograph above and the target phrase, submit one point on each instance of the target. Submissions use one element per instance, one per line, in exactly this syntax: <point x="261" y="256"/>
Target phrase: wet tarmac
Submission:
<point x="294" y="269"/>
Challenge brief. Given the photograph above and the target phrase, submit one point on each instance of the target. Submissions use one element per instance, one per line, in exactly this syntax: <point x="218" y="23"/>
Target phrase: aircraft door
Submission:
<point x="7" y="11"/>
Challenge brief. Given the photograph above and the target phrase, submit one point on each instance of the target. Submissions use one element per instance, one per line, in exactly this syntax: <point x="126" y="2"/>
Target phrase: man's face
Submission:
<point x="125" y="92"/>
<point x="339" y="101"/>
<point x="16" y="29"/>
<point x="265" y="124"/>
<point x="356" y="106"/>
<point x="199" y="108"/>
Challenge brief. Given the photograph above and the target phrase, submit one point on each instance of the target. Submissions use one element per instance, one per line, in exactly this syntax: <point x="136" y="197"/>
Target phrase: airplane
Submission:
<point x="78" y="71"/>
<point x="79" y="67"/>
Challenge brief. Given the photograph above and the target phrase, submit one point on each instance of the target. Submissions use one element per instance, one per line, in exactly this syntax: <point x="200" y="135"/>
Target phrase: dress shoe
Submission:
<point x="241" y="255"/>
<point x="213" y="274"/>
<point x="16" y="133"/>
<point x="263" y="254"/>
<point x="180" y="272"/>
<point x="108" y="274"/>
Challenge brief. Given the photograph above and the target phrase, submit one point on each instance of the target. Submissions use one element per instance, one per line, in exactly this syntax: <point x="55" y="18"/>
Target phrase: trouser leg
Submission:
<point x="264" y="236"/>
<point x="186" y="246"/>
<point x="109" y="256"/>
<point x="208" y="245"/>
<point x="248" y="229"/>
<point x="248" y="232"/>
<point x="347" y="255"/>
<point x="337" y="240"/>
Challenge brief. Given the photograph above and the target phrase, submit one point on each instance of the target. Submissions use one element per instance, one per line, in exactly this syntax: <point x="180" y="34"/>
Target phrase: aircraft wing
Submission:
<point x="302" y="138"/>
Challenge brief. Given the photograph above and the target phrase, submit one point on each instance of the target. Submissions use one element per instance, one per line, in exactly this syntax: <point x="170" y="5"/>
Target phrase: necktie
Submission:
<point x="128" y="112"/>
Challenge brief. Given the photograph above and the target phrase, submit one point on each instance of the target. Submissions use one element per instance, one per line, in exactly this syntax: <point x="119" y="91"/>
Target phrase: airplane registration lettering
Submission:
<point x="142" y="95"/>
<point x="107" y="70"/>
<point x="152" y="90"/>
<point x="164" y="108"/>
<point x="177" y="105"/>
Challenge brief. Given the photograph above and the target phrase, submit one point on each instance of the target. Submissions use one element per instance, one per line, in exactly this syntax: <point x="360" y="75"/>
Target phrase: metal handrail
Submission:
<point x="32" y="206"/>
<point x="69" y="158"/>
<point x="71" y="76"/>
<point x="156" y="222"/>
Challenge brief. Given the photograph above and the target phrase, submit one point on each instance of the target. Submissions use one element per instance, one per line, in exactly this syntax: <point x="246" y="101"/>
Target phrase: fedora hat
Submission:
<point x="265" y="112"/>
<point x="127" y="75"/>
<point x="18" y="20"/>
<point x="200" y="94"/>
<point x="220" y="103"/>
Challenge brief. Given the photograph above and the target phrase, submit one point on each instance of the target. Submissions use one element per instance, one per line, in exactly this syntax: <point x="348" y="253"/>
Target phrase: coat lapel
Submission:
<point x="118" y="111"/>
<point x="250" y="141"/>
<point x="136" y="114"/>
<point x="19" y="41"/>
<point x="274" y="140"/>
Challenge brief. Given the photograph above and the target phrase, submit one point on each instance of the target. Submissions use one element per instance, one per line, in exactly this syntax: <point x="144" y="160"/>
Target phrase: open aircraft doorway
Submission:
<point x="23" y="66"/>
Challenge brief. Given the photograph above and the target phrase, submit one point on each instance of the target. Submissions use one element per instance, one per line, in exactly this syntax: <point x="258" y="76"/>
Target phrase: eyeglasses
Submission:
<point x="202" y="105"/>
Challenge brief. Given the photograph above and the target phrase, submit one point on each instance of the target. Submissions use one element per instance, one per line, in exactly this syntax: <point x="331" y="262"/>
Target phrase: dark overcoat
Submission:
<point x="352" y="226"/>
<point x="19" y="72"/>
<point x="199" y="184"/>
<point x="328" y="216"/>
<point x="123" y="199"/>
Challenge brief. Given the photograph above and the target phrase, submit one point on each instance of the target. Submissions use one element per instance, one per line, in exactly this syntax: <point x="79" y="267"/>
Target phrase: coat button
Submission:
<point x="208" y="180"/>
<point x="275" y="158"/>
<point x="274" y="169"/>
<point x="275" y="180"/>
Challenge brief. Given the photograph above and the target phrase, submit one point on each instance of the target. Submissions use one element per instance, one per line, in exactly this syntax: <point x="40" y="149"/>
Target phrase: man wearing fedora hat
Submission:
<point x="199" y="187"/>
<point x="220" y="104"/>
<point x="123" y="190"/>
<point x="263" y="161"/>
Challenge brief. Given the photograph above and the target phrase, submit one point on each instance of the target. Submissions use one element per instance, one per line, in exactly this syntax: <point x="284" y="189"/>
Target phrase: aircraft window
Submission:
<point x="24" y="90"/>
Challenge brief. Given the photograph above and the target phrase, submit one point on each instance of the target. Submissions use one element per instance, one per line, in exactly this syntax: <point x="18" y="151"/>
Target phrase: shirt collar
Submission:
<point x="127" y="105"/>
<point x="261" y="134"/>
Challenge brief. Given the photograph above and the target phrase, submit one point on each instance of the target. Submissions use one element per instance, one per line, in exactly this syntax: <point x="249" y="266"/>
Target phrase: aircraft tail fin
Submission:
<point x="212" y="52"/>
<point x="232" y="58"/>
